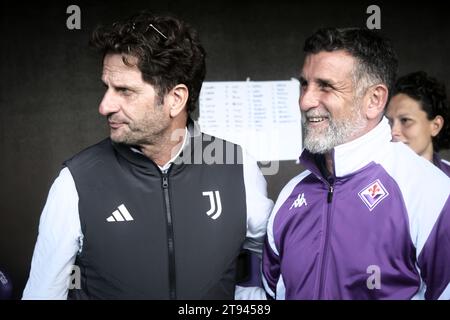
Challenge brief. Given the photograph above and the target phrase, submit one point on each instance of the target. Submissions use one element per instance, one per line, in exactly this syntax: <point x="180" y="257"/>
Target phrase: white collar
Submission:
<point x="354" y="155"/>
<point x="166" y="167"/>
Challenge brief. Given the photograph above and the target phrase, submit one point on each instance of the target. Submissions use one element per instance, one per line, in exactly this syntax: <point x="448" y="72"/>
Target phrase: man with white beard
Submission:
<point x="368" y="219"/>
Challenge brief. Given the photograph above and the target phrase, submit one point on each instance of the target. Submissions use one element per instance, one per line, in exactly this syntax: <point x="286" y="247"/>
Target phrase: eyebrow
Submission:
<point x="322" y="82"/>
<point x="404" y="115"/>
<point x="325" y="82"/>
<point x="120" y="85"/>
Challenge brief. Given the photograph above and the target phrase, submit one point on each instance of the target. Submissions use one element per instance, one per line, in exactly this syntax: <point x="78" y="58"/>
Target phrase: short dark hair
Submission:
<point x="169" y="51"/>
<point x="377" y="59"/>
<point x="432" y="97"/>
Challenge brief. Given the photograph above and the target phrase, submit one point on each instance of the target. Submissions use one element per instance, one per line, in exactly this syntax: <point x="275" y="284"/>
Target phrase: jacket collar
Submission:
<point x="354" y="155"/>
<point x="437" y="160"/>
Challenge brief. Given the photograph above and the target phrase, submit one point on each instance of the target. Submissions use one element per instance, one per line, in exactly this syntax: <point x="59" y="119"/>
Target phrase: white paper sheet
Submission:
<point x="262" y="116"/>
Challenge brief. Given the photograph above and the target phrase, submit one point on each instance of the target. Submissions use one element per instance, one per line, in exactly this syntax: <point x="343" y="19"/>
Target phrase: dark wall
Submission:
<point x="50" y="86"/>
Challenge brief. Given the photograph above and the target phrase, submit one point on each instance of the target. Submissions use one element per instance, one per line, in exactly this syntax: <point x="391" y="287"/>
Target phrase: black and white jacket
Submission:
<point x="128" y="230"/>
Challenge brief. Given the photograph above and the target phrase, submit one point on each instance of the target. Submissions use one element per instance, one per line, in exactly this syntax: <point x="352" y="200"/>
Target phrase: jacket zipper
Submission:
<point x="170" y="238"/>
<point x="325" y="247"/>
<point x="330" y="193"/>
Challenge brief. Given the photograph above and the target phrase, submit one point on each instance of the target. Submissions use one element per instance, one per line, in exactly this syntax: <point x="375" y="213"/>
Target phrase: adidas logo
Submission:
<point x="122" y="214"/>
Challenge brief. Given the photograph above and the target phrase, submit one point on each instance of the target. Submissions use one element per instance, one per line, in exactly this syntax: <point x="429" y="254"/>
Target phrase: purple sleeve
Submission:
<point x="434" y="259"/>
<point x="271" y="269"/>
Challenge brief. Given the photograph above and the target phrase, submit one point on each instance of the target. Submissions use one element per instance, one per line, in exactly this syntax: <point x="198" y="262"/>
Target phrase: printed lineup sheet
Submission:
<point x="262" y="116"/>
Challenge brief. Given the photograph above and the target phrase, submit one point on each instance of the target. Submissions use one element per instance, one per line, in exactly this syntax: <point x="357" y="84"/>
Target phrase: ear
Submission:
<point x="178" y="99"/>
<point x="436" y="125"/>
<point x="375" y="101"/>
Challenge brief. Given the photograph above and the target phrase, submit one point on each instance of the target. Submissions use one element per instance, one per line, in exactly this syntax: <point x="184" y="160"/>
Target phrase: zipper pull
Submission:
<point x="330" y="194"/>
<point x="165" y="181"/>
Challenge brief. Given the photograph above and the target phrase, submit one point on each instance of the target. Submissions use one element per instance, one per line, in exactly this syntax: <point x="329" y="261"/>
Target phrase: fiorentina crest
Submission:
<point x="373" y="194"/>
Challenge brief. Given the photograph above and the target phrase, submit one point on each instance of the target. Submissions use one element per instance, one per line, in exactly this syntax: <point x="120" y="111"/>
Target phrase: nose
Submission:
<point x="396" y="131"/>
<point x="109" y="104"/>
<point x="308" y="99"/>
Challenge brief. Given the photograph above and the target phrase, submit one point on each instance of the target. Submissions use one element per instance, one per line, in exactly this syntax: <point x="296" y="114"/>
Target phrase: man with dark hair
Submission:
<point x="368" y="219"/>
<point x="151" y="212"/>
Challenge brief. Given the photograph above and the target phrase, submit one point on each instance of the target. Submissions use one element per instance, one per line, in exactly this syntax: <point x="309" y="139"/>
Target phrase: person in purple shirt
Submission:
<point x="419" y="114"/>
<point x="369" y="218"/>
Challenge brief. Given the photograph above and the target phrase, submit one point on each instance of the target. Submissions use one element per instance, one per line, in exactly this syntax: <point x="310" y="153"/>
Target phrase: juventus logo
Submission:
<point x="216" y="204"/>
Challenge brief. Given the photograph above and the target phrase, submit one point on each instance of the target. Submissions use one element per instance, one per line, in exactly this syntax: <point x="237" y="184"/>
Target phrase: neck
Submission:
<point x="166" y="148"/>
<point x="428" y="153"/>
<point x="329" y="162"/>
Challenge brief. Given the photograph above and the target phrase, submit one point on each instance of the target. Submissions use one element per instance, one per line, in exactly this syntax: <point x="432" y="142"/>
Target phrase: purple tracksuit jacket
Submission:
<point x="442" y="164"/>
<point x="380" y="229"/>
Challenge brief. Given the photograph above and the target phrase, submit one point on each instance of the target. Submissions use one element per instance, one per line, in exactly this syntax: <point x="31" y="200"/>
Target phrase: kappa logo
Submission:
<point x="216" y="205"/>
<point x="121" y="214"/>
<point x="300" y="201"/>
<point x="373" y="194"/>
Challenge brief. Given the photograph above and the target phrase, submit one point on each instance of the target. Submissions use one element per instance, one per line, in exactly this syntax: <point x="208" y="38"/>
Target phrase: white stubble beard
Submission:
<point x="336" y="133"/>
